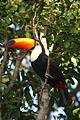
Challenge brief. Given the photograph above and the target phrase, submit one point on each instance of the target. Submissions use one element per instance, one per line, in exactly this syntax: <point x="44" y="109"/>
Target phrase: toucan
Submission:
<point x="39" y="59"/>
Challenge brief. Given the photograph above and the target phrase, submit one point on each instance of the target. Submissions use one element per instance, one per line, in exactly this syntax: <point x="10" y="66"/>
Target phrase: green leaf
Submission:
<point x="74" y="61"/>
<point x="2" y="4"/>
<point x="7" y="20"/>
<point x="12" y="107"/>
<point x="4" y="80"/>
<point x="67" y="44"/>
<point x="63" y="28"/>
<point x="71" y="0"/>
<point x="75" y="111"/>
<point x="3" y="85"/>
<point x="14" y="8"/>
<point x="8" y="5"/>
<point x="46" y="1"/>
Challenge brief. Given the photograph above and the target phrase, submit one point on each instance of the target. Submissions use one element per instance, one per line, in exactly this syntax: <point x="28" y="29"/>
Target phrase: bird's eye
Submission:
<point x="37" y="44"/>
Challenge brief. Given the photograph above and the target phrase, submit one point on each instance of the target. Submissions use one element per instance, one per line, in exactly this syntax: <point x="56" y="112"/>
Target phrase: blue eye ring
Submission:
<point x="37" y="44"/>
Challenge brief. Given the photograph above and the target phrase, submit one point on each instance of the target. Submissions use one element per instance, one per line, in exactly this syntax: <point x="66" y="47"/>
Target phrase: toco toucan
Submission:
<point x="39" y="59"/>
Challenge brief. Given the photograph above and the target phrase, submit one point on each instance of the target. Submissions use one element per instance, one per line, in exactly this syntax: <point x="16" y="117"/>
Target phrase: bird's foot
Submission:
<point x="48" y="76"/>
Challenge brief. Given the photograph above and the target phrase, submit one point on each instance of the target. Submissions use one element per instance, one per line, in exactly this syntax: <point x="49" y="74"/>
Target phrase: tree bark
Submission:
<point x="2" y="68"/>
<point x="0" y="113"/>
<point x="44" y="105"/>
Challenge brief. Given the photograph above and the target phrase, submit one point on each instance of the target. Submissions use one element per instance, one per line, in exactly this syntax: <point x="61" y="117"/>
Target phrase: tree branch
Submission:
<point x="18" y="62"/>
<point x="35" y="33"/>
<point x="47" y="70"/>
<point x="74" y="91"/>
<point x="12" y="82"/>
<point x="0" y="113"/>
<point x="2" y="69"/>
<point x="3" y="63"/>
<point x="44" y="103"/>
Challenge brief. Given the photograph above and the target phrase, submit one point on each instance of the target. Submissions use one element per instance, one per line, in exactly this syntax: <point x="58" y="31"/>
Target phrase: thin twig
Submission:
<point x="48" y="65"/>
<point x="35" y="33"/>
<point x="47" y="70"/>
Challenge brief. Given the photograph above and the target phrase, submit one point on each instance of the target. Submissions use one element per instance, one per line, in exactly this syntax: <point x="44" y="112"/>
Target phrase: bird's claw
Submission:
<point x="48" y="76"/>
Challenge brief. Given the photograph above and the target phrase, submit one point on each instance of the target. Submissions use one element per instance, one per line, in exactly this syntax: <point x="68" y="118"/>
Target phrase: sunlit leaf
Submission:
<point x="74" y="61"/>
<point x="3" y="85"/>
<point x="4" y="80"/>
<point x="75" y="111"/>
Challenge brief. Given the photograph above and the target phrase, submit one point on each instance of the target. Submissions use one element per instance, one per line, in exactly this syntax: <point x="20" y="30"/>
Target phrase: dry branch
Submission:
<point x="18" y="62"/>
<point x="3" y="62"/>
<point x="2" y="69"/>
<point x="35" y="33"/>
<point x="44" y="103"/>
<point x="12" y="82"/>
<point x="0" y="113"/>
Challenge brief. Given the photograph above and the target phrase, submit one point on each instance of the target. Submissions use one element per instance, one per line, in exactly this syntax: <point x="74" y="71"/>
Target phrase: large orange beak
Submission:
<point x="24" y="43"/>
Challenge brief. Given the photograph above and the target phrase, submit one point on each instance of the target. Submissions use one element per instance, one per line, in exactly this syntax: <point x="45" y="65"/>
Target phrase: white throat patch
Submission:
<point x="36" y="52"/>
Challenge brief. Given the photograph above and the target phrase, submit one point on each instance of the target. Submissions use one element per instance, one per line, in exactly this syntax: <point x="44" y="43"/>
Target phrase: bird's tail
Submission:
<point x="65" y="97"/>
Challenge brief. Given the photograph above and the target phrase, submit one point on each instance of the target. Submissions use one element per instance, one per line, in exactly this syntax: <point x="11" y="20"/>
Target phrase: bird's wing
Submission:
<point x="54" y="68"/>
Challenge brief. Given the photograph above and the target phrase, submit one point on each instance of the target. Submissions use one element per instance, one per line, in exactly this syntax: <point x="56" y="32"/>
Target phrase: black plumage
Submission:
<point x="58" y="81"/>
<point x="40" y="65"/>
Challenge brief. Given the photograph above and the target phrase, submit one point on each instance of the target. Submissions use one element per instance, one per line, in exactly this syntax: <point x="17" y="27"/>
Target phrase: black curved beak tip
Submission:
<point x="9" y="43"/>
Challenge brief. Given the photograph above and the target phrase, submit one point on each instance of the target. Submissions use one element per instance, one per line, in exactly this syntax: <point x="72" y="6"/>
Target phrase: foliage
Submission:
<point x="63" y="22"/>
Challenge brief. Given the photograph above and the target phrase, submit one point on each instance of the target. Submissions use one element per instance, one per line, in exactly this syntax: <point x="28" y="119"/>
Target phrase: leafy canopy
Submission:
<point x="63" y="29"/>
